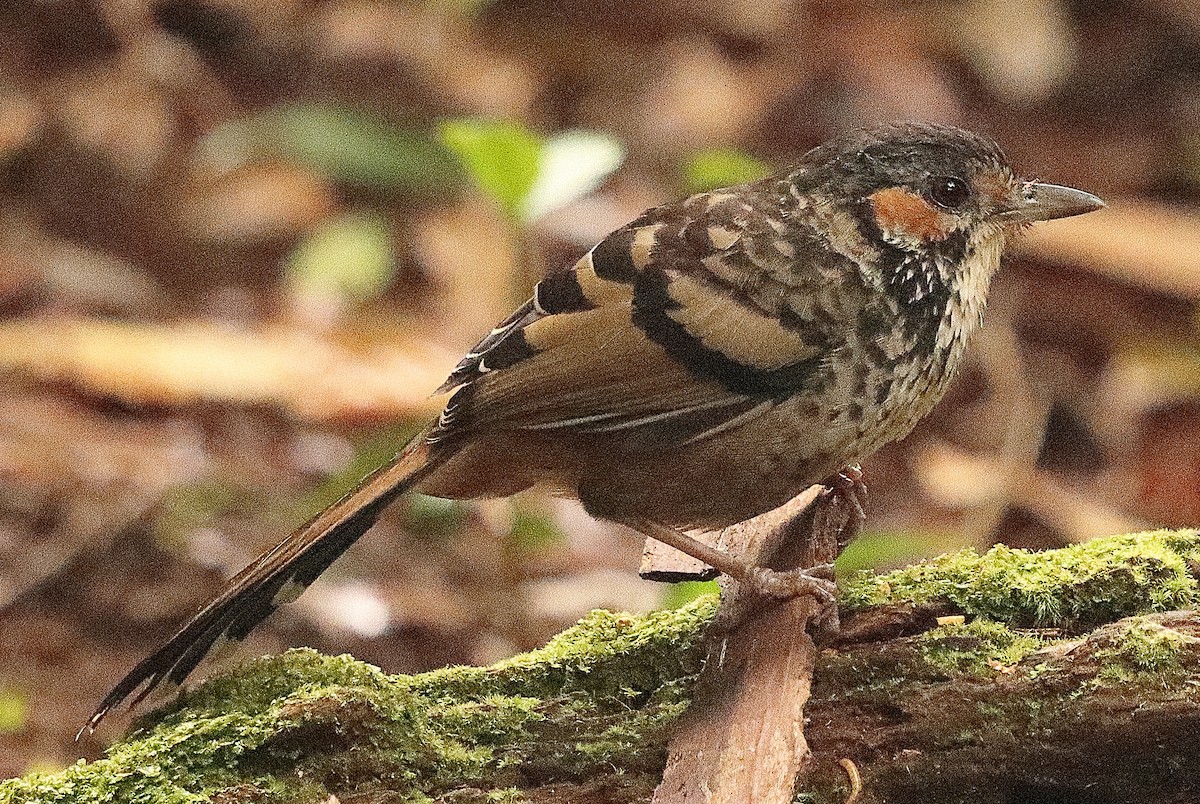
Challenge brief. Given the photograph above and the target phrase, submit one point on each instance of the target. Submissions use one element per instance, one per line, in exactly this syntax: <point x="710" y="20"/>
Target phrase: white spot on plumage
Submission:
<point x="714" y="199"/>
<point x="723" y="238"/>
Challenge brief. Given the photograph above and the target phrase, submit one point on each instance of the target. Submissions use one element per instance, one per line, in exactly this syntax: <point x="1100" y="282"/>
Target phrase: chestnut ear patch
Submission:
<point x="905" y="213"/>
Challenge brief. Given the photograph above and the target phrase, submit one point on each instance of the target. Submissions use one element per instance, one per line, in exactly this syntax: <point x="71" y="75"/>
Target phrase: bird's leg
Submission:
<point x="837" y="516"/>
<point x="764" y="581"/>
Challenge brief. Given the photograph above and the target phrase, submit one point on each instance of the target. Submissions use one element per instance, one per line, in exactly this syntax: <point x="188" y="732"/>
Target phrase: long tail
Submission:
<point x="276" y="577"/>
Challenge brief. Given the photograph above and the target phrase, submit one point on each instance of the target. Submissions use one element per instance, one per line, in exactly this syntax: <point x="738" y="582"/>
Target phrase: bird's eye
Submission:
<point x="950" y="192"/>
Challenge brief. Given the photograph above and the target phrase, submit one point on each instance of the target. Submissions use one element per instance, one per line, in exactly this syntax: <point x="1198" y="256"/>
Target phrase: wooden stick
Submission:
<point x="742" y="739"/>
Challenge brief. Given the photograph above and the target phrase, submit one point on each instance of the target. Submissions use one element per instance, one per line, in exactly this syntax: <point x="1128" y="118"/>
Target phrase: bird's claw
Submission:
<point x="816" y="582"/>
<point x="850" y="486"/>
<point x="843" y="507"/>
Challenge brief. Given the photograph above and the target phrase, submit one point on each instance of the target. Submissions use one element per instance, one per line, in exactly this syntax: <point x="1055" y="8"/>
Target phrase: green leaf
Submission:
<point x="190" y="505"/>
<point x="721" y="167"/>
<point x="429" y="517"/>
<point x="345" y="145"/>
<point x="533" y="530"/>
<point x="14" y="709"/>
<point x="379" y="448"/>
<point x="573" y="163"/>
<point x="883" y="551"/>
<point x="349" y="257"/>
<point x="678" y="595"/>
<point x="435" y="517"/>
<point x="503" y="158"/>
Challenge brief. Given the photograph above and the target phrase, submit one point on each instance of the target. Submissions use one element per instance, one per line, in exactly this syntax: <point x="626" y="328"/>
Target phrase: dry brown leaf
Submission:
<point x="702" y="99"/>
<point x="21" y="120"/>
<point x="309" y="375"/>
<point x="1186" y="11"/>
<point x="74" y="276"/>
<point x="983" y="480"/>
<point x="72" y="479"/>
<point x="123" y="116"/>
<point x="1024" y="49"/>
<point x="472" y="256"/>
<point x="1140" y="242"/>
<point x="436" y="45"/>
<point x="259" y="201"/>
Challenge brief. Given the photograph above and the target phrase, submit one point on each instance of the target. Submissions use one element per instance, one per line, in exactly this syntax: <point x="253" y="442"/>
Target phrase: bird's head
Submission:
<point x="921" y="185"/>
<point x="929" y="207"/>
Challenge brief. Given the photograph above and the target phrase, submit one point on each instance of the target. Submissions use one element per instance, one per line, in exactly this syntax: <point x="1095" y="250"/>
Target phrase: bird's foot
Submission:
<point x="772" y="587"/>
<point x="816" y="582"/>
<point x="842" y="508"/>
<point x="759" y="583"/>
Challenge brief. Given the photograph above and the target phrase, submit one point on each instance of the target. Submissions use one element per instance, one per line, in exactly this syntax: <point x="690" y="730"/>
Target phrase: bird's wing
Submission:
<point x="671" y="330"/>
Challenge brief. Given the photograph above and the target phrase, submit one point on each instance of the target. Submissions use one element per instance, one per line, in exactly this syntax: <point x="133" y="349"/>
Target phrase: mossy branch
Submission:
<point x="1073" y="672"/>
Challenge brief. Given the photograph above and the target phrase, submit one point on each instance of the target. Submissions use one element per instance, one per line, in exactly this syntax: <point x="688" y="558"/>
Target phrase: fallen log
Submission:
<point x="1070" y="675"/>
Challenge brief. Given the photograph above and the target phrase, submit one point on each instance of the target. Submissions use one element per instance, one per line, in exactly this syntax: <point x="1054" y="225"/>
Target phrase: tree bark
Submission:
<point x="742" y="738"/>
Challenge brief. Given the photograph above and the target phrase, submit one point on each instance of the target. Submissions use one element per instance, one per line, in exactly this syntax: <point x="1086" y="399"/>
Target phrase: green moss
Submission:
<point x="599" y="699"/>
<point x="606" y="688"/>
<point x="509" y="795"/>
<point x="1078" y="586"/>
<point x="1142" y="650"/>
<point x="637" y="652"/>
<point x="1154" y="648"/>
<point x="980" y="647"/>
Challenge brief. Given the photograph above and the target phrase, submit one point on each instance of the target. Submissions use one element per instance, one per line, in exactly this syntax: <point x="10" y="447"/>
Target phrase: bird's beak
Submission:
<point x="1044" y="202"/>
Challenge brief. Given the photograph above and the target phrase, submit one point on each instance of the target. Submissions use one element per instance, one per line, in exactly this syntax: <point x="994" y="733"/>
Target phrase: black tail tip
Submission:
<point x="92" y="723"/>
